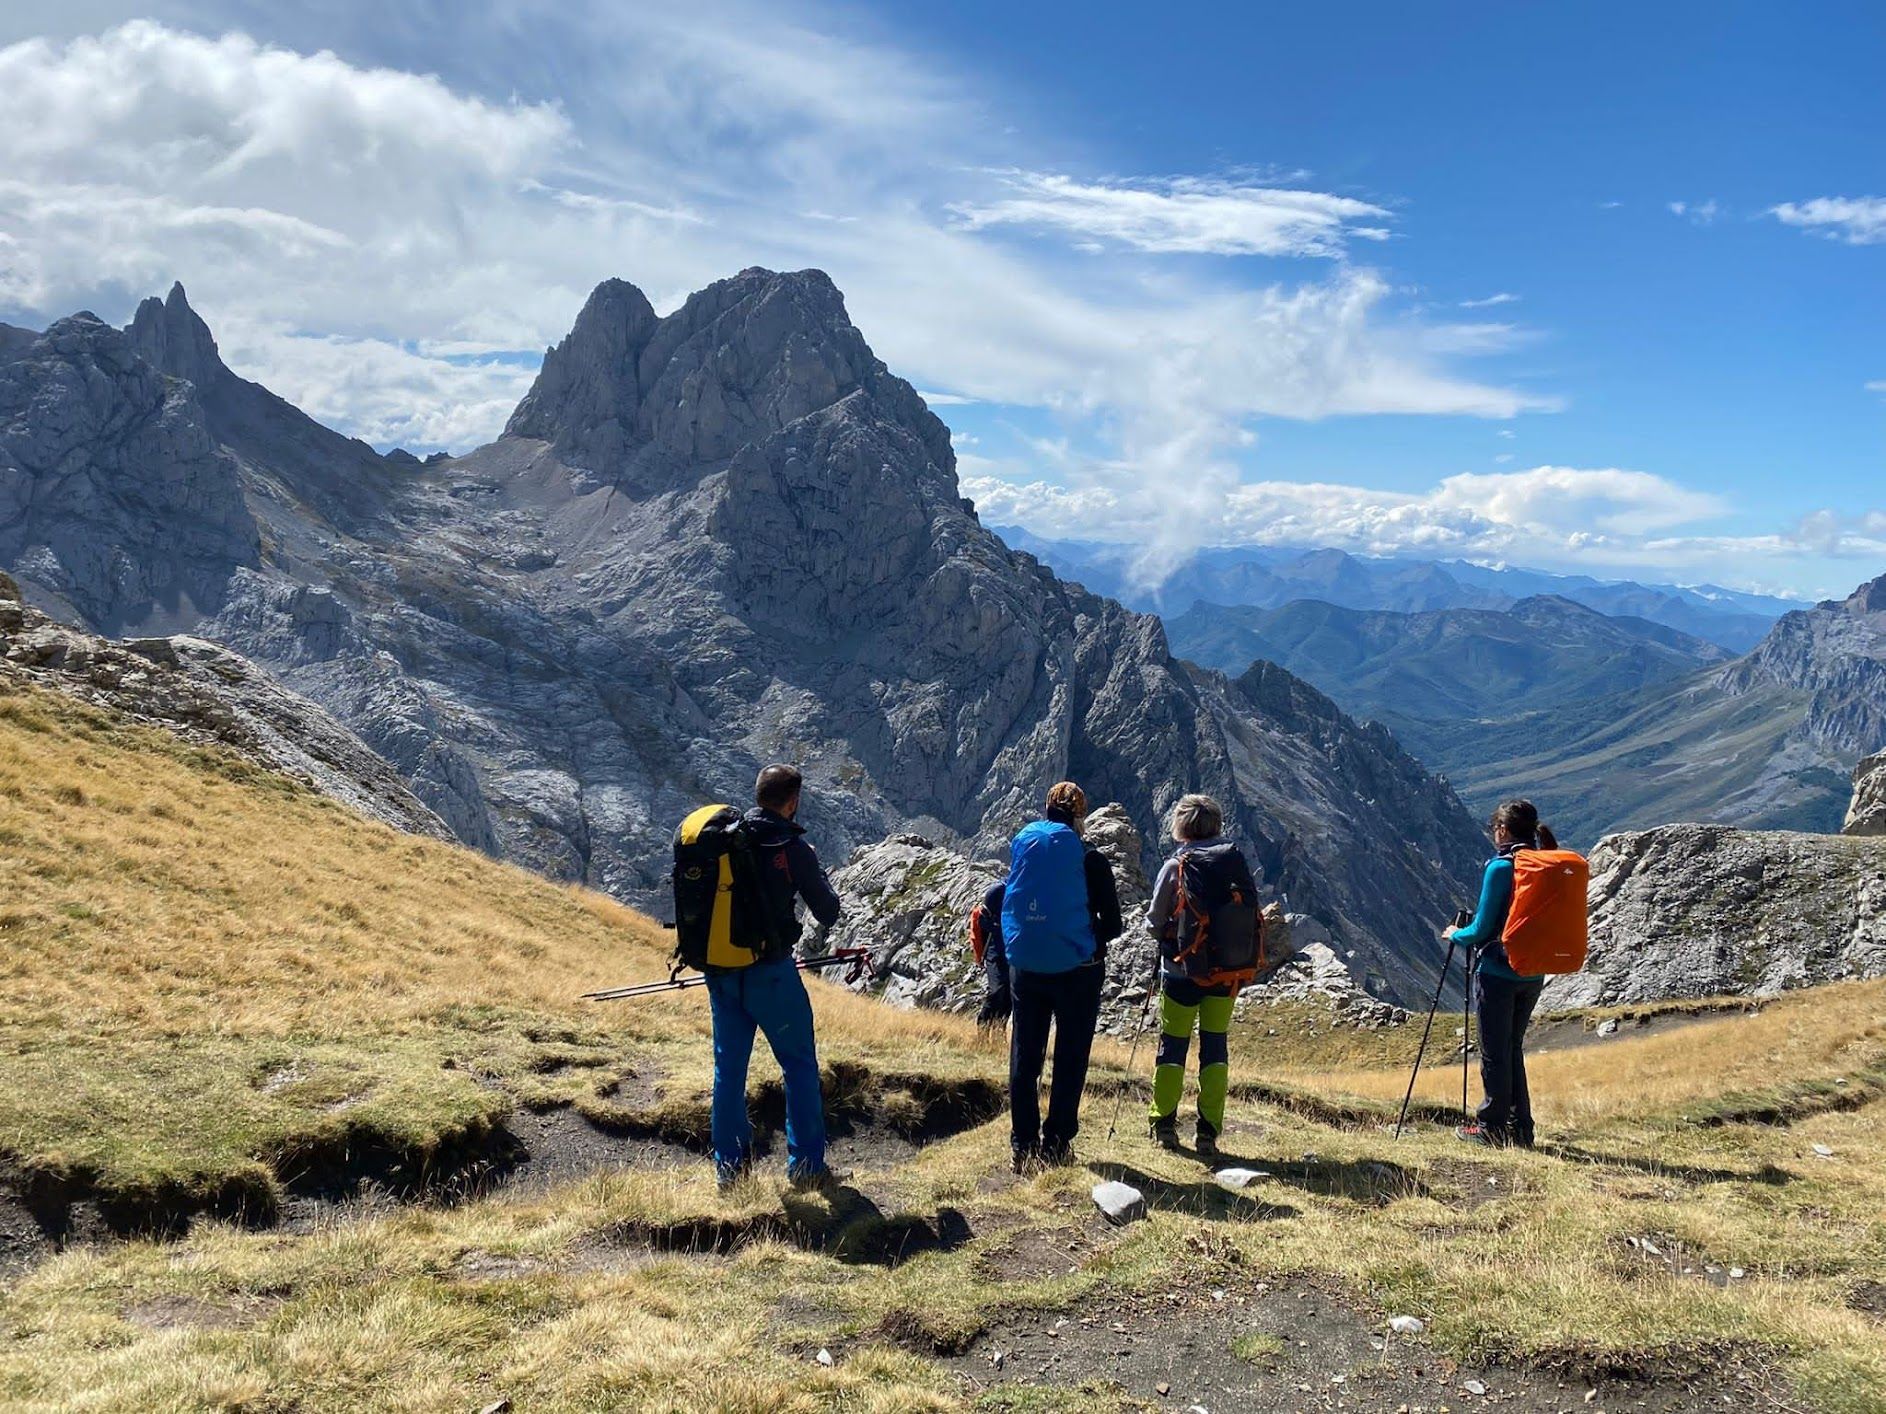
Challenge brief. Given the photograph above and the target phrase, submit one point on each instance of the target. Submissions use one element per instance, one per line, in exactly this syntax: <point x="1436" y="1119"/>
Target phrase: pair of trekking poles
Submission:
<point x="1461" y="919"/>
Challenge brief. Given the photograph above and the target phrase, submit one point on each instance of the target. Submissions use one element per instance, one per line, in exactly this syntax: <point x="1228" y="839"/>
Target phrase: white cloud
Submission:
<point x="374" y="242"/>
<point x="1699" y="213"/>
<point x="1878" y="386"/>
<point x="1592" y="519"/>
<point x="1196" y="215"/>
<point x="1501" y="298"/>
<point x="1857" y="220"/>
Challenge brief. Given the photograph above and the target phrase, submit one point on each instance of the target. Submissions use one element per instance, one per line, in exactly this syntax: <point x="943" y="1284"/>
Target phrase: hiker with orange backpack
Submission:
<point x="1530" y="922"/>
<point x="1205" y="915"/>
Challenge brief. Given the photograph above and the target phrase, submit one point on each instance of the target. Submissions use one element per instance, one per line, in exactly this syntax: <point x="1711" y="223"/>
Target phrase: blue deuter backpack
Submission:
<point x="1045" y="924"/>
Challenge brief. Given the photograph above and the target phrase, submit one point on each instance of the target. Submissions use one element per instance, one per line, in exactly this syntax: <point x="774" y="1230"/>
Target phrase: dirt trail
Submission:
<point x="1252" y="1346"/>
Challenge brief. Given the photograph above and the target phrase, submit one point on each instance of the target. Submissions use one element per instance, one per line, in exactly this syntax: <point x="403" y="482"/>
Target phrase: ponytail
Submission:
<point x="1520" y="820"/>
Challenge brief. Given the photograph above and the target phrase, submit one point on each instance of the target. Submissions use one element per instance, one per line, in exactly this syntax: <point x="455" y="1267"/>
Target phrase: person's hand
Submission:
<point x="1447" y="934"/>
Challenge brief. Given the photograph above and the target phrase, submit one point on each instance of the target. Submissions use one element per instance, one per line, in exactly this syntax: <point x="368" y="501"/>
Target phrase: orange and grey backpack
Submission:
<point x="1545" y="926"/>
<point x="983" y="925"/>
<point x="721" y="921"/>
<point x="1219" y="928"/>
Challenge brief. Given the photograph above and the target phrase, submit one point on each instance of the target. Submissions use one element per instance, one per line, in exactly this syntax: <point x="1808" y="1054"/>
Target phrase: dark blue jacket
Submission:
<point x="789" y="870"/>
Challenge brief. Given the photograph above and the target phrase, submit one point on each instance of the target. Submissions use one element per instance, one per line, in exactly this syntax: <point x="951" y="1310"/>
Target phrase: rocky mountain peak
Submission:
<point x="170" y="336"/>
<point x="116" y="504"/>
<point x="1836" y="652"/>
<point x="588" y="390"/>
<point x="1869" y="598"/>
<point x="742" y="358"/>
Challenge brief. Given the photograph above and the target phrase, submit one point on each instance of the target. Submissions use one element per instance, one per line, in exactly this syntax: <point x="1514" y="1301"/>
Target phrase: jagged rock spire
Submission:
<point x="589" y="388"/>
<point x="169" y="335"/>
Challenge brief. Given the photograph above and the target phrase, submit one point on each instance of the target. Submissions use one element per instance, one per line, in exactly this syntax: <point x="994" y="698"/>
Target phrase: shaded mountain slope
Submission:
<point x="1450" y="663"/>
<point x="708" y="540"/>
<point x="1767" y="741"/>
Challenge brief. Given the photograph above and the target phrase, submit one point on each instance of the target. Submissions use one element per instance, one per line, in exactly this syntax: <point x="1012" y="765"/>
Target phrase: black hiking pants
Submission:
<point x="1071" y="1001"/>
<point x="997" y="1000"/>
<point x="1504" y="1008"/>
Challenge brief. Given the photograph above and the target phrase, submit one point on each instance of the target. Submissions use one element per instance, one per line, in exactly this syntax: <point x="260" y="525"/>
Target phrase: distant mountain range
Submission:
<point x="1610" y="723"/>
<point x="1267" y="578"/>
<point x="1445" y="663"/>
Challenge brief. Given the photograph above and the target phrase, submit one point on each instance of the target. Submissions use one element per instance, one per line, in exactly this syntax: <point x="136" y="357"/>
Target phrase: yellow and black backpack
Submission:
<point x="721" y="920"/>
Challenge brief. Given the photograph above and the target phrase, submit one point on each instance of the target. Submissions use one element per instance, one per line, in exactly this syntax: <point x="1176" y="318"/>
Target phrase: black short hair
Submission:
<point x="777" y="786"/>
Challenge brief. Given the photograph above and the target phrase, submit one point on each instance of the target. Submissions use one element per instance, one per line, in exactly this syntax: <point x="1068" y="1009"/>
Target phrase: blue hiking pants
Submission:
<point x="769" y="997"/>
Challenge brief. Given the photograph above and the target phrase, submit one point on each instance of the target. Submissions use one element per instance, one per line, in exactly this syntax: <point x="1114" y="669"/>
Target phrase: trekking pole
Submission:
<point x="1466" y="1009"/>
<point x="1132" y="1055"/>
<point x="1426" y="1030"/>
<point x="858" y="962"/>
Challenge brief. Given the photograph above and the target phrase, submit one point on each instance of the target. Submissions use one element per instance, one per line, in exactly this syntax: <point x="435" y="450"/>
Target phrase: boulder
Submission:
<point x="1709" y="910"/>
<point x="1867" y="814"/>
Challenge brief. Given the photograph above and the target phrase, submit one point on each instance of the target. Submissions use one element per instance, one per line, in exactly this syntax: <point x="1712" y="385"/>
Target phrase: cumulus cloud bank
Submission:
<point x="1597" y="519"/>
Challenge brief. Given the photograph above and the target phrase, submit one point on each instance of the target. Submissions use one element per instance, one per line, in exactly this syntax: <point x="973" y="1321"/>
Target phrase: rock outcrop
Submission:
<point x="709" y="540"/>
<point x="206" y="694"/>
<point x="1707" y="910"/>
<point x="1867" y="814"/>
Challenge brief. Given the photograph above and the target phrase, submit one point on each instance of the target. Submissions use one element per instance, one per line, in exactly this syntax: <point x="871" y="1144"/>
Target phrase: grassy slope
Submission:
<point x="207" y="968"/>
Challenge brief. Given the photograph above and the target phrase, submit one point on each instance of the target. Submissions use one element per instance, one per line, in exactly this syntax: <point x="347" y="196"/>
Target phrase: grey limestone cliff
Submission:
<point x="1707" y="910"/>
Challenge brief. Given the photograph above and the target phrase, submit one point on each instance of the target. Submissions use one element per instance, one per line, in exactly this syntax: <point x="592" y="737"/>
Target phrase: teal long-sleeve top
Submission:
<point x="1489" y="919"/>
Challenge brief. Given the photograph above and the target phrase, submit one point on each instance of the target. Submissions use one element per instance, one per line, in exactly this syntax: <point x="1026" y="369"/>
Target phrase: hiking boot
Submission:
<point x="1025" y="1161"/>
<point x="1485" y="1136"/>
<point x="1205" y="1141"/>
<point x="822" y="1179"/>
<point x="1165" y="1132"/>
<point x="728" y="1176"/>
<point x="1057" y="1156"/>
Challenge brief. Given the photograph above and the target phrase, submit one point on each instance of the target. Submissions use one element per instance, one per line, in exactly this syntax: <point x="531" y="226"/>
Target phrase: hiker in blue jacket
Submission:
<point x="1503" y="1000"/>
<point x="1059" y="911"/>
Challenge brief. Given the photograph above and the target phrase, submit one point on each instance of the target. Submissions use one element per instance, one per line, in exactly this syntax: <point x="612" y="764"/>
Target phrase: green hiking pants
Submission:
<point x="1184" y="1005"/>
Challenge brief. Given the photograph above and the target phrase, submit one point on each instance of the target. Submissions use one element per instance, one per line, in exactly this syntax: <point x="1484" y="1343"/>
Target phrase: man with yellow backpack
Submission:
<point x="737" y="881"/>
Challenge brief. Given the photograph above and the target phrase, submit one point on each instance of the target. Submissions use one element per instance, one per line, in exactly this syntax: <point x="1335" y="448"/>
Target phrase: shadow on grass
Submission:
<point x="1204" y="1199"/>
<point x="1696" y="1174"/>
<point x="848" y="1227"/>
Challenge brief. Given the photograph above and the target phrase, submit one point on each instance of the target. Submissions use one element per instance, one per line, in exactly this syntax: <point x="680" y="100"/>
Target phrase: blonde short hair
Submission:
<point x="1068" y="798"/>
<point x="1197" y="817"/>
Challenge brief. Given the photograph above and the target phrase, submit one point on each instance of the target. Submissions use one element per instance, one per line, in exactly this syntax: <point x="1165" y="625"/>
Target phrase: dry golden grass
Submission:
<point x="204" y="964"/>
<point x="183" y="933"/>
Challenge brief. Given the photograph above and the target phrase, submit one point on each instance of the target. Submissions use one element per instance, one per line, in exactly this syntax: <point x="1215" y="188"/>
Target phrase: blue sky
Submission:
<point x="1597" y="288"/>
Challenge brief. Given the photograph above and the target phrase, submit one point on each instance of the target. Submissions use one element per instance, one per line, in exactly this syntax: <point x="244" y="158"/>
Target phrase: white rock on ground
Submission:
<point x="1121" y="1202"/>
